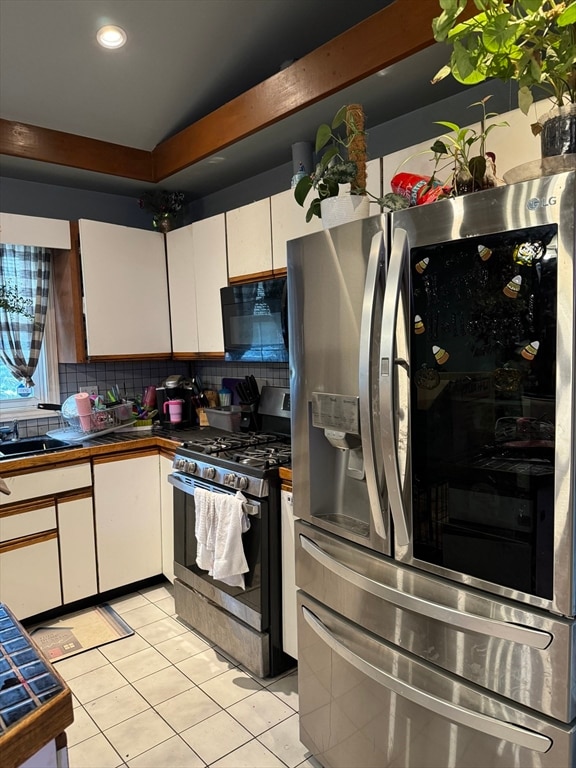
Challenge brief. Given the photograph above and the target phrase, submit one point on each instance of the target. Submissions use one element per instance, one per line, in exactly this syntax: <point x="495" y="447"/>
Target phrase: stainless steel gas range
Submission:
<point x="245" y="623"/>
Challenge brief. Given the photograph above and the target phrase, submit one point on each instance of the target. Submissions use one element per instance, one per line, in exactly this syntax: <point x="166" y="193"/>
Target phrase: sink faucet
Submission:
<point x="5" y="432"/>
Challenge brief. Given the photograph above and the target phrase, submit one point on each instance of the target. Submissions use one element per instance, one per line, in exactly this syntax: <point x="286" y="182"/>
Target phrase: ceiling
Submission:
<point x="183" y="60"/>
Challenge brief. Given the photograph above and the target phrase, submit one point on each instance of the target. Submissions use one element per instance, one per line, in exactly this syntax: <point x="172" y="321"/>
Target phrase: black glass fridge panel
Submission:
<point x="483" y="361"/>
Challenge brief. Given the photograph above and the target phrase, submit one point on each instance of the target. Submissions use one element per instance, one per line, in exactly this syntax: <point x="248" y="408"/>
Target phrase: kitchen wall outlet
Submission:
<point x="91" y="390"/>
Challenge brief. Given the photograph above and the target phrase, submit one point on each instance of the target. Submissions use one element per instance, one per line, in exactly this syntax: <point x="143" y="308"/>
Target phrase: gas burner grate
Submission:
<point x="264" y="457"/>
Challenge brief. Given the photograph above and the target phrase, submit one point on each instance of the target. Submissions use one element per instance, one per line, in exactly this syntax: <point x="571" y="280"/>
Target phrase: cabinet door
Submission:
<point x="167" y="518"/>
<point x="249" y="239"/>
<point x="34" y="230"/>
<point x="182" y="287"/>
<point x="127" y="513"/>
<point x="289" y="611"/>
<point x="30" y="576"/>
<point x="211" y="275"/>
<point x="77" y="548"/>
<point x="288" y="222"/>
<point x="196" y="272"/>
<point x="125" y="290"/>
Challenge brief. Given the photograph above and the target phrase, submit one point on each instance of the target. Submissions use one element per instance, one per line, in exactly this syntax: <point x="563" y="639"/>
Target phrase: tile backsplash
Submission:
<point x="133" y="376"/>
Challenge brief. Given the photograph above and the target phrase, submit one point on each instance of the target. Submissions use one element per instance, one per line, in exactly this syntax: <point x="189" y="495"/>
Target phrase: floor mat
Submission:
<point x="78" y="632"/>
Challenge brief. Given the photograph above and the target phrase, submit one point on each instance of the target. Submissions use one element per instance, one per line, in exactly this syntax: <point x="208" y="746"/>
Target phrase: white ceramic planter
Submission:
<point x="343" y="209"/>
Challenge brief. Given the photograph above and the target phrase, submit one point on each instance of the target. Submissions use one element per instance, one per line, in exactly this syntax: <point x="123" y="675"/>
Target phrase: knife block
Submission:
<point x="249" y="419"/>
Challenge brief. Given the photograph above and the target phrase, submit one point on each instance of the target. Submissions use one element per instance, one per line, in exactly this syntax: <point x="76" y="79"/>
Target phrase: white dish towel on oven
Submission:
<point x="220" y="523"/>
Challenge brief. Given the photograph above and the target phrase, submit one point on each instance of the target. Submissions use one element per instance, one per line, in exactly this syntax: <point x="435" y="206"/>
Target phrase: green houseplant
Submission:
<point x="461" y="161"/>
<point x="343" y="160"/>
<point x="464" y="151"/>
<point x="531" y="42"/>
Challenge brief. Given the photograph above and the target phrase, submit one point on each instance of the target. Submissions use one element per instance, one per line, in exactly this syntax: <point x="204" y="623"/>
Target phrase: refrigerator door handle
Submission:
<point x="375" y="262"/>
<point x="398" y="259"/>
<point x="533" y="638"/>
<point x="499" y="729"/>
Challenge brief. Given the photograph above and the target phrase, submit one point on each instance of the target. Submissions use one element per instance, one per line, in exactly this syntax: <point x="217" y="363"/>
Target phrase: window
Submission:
<point x="16" y="401"/>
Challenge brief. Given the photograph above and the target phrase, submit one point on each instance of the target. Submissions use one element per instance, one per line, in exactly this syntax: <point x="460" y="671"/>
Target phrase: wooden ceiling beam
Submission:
<point x="48" y="146"/>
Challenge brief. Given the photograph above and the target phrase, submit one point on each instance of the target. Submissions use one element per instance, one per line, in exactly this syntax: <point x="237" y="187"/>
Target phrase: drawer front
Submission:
<point x="47" y="482"/>
<point x="27" y="523"/>
<point x="454" y="628"/>
<point x="366" y="702"/>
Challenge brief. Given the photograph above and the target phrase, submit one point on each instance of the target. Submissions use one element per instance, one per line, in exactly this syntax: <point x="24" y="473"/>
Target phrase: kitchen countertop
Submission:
<point x="35" y="702"/>
<point x="113" y="442"/>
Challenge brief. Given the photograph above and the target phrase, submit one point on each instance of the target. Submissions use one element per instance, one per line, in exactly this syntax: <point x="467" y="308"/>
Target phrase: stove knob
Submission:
<point x="229" y="479"/>
<point x="242" y="482"/>
<point x="210" y="473"/>
<point x="180" y="464"/>
<point x="191" y="467"/>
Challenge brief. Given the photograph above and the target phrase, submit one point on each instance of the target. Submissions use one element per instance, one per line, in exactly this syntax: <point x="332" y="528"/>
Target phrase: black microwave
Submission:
<point x="255" y="321"/>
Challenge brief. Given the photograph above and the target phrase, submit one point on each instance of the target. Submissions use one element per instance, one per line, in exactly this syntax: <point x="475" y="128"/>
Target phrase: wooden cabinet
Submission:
<point x="127" y="513"/>
<point x="249" y="239"/>
<point x="288" y="222"/>
<point x="77" y="547"/>
<point x="111" y="292"/>
<point x="167" y="517"/>
<point x="34" y="230"/>
<point x="46" y="532"/>
<point x="30" y="575"/>
<point x="196" y="271"/>
<point x="125" y="291"/>
<point x="289" y="611"/>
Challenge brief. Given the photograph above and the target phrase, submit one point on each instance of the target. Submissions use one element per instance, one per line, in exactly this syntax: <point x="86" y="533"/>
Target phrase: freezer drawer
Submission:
<point x="528" y="656"/>
<point x="365" y="702"/>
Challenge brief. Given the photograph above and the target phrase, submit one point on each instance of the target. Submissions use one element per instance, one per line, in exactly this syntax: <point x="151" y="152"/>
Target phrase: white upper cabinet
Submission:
<point x="181" y="282"/>
<point x="125" y="290"/>
<point x="249" y="239"/>
<point x="196" y="272"/>
<point x="34" y="230"/>
<point x="288" y="222"/>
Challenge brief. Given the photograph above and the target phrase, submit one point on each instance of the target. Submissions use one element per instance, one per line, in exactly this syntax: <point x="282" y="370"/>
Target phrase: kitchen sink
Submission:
<point x="31" y="446"/>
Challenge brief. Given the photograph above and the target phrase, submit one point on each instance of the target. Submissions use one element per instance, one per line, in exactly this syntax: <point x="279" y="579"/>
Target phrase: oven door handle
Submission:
<point x="188" y="484"/>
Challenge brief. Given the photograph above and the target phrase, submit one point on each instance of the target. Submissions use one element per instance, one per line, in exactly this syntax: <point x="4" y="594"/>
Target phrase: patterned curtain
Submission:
<point x="25" y="272"/>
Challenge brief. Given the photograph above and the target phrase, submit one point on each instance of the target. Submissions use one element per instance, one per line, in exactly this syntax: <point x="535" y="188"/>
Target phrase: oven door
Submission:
<point x="247" y="604"/>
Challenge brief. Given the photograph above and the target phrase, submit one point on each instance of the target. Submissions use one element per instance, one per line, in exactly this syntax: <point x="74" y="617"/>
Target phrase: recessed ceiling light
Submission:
<point x="216" y="159"/>
<point x="111" y="36"/>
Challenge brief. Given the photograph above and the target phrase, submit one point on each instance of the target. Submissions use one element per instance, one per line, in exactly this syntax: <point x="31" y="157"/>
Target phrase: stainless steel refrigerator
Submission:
<point x="432" y="380"/>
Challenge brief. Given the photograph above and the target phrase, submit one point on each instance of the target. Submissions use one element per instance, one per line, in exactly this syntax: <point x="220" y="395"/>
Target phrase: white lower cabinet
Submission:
<point x="30" y="575"/>
<point x="77" y="547"/>
<point x="167" y="518"/>
<point x="127" y="513"/>
<point x="37" y="544"/>
<point x="289" y="612"/>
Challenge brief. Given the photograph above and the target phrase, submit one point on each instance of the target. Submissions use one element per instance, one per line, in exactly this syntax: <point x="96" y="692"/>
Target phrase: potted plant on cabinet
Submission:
<point x="532" y="42"/>
<point x="463" y="151"/>
<point x="472" y="167"/>
<point x="342" y="162"/>
<point x="165" y="207"/>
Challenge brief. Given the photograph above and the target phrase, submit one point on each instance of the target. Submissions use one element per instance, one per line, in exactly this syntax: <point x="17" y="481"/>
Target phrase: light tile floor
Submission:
<point x="166" y="698"/>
